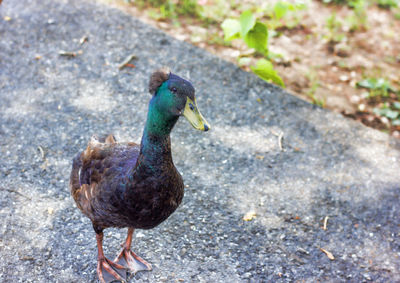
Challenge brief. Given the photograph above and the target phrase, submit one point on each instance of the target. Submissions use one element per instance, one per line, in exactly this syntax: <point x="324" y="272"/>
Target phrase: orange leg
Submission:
<point x="107" y="270"/>
<point x="129" y="259"/>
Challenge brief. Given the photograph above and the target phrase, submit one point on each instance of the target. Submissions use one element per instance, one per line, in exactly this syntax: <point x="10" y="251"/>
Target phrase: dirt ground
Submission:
<point x="313" y="67"/>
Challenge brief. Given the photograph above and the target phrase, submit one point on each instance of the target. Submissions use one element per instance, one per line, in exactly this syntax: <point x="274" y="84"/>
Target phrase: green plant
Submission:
<point x="314" y="84"/>
<point x="255" y="34"/>
<point x="334" y="27"/>
<point x="214" y="12"/>
<point x="280" y="10"/>
<point x="390" y="111"/>
<point x="265" y="70"/>
<point x="170" y="9"/>
<point x="376" y="86"/>
<point x="349" y="3"/>
<point x="388" y="4"/>
<point x="358" y="20"/>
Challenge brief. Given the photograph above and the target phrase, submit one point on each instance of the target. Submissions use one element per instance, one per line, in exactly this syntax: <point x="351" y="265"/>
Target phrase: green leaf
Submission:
<point x="379" y="112"/>
<point x="387" y="112"/>
<point x="387" y="4"/>
<point x="391" y="114"/>
<point x="265" y="70"/>
<point x="280" y="9"/>
<point x="367" y="83"/>
<point x="396" y="122"/>
<point x="257" y="38"/>
<point x="396" y="105"/>
<point x="373" y="83"/>
<point x="231" y="29"/>
<point x="379" y="86"/>
<point x="247" y="22"/>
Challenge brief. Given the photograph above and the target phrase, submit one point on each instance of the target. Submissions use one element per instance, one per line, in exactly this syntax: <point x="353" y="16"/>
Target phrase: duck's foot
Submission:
<point x="109" y="271"/>
<point x="131" y="261"/>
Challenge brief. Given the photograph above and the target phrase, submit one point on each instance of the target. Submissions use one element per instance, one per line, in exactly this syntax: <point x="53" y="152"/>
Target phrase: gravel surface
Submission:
<point x="268" y="153"/>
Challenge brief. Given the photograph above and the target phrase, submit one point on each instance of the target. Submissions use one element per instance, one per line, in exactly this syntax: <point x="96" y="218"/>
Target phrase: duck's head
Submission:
<point x="176" y="96"/>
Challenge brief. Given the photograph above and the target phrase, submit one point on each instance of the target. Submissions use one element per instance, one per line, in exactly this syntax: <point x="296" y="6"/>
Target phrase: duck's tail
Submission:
<point x="74" y="181"/>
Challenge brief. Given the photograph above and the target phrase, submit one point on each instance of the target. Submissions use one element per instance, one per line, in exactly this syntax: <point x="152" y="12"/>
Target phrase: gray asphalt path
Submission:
<point x="287" y="162"/>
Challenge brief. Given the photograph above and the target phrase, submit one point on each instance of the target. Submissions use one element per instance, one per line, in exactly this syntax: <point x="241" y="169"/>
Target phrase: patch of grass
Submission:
<point x="358" y="20"/>
<point x="334" y="26"/>
<point x="169" y="9"/>
<point x="314" y="84"/>
<point x="386" y="99"/>
<point x="278" y="15"/>
<point x="339" y="2"/>
<point x="388" y="4"/>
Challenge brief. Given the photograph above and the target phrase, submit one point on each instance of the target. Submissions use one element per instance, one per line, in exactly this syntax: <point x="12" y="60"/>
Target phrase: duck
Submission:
<point x="127" y="185"/>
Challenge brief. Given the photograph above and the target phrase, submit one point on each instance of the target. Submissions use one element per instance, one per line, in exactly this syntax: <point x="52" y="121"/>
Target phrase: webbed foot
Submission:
<point x="131" y="261"/>
<point x="109" y="271"/>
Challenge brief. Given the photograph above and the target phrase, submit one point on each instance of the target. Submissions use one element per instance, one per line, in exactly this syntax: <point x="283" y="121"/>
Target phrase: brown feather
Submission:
<point x="157" y="78"/>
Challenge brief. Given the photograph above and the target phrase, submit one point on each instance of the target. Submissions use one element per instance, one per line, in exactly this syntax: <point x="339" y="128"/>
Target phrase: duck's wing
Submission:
<point x="104" y="161"/>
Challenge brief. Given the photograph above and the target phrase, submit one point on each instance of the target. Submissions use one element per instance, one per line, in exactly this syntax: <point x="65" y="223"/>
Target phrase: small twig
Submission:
<point x="15" y="192"/>
<point x="83" y="39"/>
<point x="325" y="222"/>
<point x="126" y="61"/>
<point x="303" y="251"/>
<point x="280" y="138"/>
<point x="69" y="53"/>
<point x="328" y="254"/>
<point x="27" y="258"/>
<point x="41" y="151"/>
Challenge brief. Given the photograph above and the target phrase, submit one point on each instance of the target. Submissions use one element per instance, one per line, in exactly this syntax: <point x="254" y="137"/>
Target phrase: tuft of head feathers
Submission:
<point x="157" y="78"/>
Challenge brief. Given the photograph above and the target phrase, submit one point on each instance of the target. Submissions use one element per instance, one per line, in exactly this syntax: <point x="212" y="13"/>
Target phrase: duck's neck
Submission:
<point x="155" y="148"/>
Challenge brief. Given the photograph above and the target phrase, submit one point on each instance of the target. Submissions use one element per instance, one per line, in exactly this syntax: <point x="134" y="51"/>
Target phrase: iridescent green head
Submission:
<point x="175" y="97"/>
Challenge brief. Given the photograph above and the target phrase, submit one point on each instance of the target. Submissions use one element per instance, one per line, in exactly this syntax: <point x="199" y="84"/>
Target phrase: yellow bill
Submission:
<point x="194" y="116"/>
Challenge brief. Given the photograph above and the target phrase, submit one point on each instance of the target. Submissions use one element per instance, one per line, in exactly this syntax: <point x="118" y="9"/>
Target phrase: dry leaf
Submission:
<point x="249" y="215"/>
<point x="328" y="254"/>
<point x="261" y="157"/>
<point x="50" y="210"/>
<point x="7" y="18"/>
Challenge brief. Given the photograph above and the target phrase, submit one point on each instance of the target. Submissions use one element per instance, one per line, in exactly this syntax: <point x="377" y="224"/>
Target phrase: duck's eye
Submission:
<point x="174" y="89"/>
<point x="191" y="106"/>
